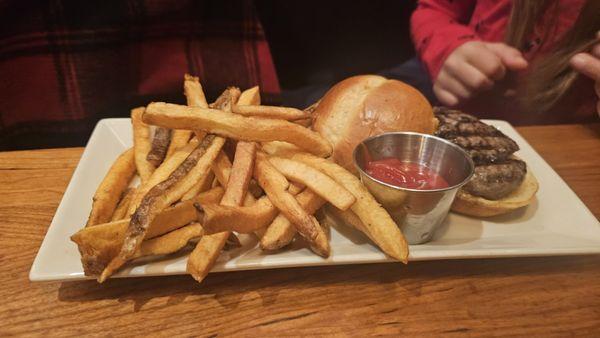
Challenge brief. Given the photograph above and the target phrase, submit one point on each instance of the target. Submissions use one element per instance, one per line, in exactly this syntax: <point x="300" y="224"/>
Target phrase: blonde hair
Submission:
<point x="551" y="77"/>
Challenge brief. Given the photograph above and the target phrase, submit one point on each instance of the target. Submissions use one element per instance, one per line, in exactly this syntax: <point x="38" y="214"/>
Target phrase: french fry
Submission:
<point x="195" y="98"/>
<point x="162" y="173"/>
<point x="226" y="100"/>
<point x="99" y="244"/>
<point x="235" y="126"/>
<point x="179" y="138"/>
<point x="121" y="210"/>
<point x="378" y="224"/>
<point x="202" y="259"/>
<point x="279" y="148"/>
<point x="281" y="231"/>
<point x="304" y="122"/>
<point x="160" y="144"/>
<point x="203" y="184"/>
<point x="170" y="242"/>
<point x="347" y="217"/>
<point x="250" y="96"/>
<point x="161" y="196"/>
<point x="318" y="182"/>
<point x="253" y="216"/>
<point x="221" y="167"/>
<point x="244" y="219"/>
<point x="141" y="144"/>
<point x="107" y="195"/>
<point x="182" y="212"/>
<point x="306" y="225"/>
<point x="270" y="112"/>
<point x="193" y="91"/>
<point x="241" y="172"/>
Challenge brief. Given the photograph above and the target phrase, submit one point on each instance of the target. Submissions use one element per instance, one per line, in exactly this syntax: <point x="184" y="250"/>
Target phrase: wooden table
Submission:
<point x="527" y="296"/>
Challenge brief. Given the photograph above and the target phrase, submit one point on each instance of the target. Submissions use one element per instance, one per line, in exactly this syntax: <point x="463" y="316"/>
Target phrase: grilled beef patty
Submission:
<point x="494" y="181"/>
<point x="497" y="174"/>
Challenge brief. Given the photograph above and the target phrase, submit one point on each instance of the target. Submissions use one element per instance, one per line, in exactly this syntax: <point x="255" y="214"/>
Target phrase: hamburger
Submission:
<point x="367" y="105"/>
<point x="363" y="106"/>
<point x="501" y="182"/>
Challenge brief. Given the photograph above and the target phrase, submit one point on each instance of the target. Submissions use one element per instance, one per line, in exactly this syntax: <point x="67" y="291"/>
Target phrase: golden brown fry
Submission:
<point x="205" y="254"/>
<point x="107" y="195"/>
<point x="141" y="144"/>
<point x="195" y="98"/>
<point x="279" y="148"/>
<point x="98" y="245"/>
<point x="121" y="210"/>
<point x="160" y="144"/>
<point x="208" y="248"/>
<point x="268" y="176"/>
<point x="378" y="223"/>
<point x="346" y="217"/>
<point x="244" y="219"/>
<point x="221" y="167"/>
<point x="179" y="138"/>
<point x="170" y="242"/>
<point x="318" y="182"/>
<point x="250" y="96"/>
<point x="235" y="126"/>
<point x="182" y="212"/>
<point x="270" y="112"/>
<point x="281" y="231"/>
<point x="203" y="184"/>
<point x="226" y="100"/>
<point x="193" y="91"/>
<point x="241" y="172"/>
<point x="305" y="122"/>
<point x="162" y="195"/>
<point x="162" y="173"/>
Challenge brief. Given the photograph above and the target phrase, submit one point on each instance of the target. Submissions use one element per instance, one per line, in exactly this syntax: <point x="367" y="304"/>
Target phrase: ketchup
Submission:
<point x="405" y="174"/>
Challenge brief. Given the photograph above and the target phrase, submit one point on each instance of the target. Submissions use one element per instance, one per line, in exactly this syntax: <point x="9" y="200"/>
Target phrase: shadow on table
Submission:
<point x="230" y="289"/>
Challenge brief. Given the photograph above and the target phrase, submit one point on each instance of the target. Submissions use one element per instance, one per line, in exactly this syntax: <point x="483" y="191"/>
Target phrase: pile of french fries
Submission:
<point x="210" y="171"/>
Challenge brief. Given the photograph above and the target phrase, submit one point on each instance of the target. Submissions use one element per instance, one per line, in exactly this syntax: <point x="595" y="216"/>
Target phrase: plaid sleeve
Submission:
<point x="66" y="64"/>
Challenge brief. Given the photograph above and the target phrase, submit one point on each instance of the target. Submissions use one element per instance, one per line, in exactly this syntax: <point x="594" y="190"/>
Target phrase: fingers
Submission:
<point x="454" y="85"/>
<point x="511" y="57"/>
<point x="472" y="77"/>
<point x="587" y="65"/>
<point x="444" y="96"/>
<point x="487" y="62"/>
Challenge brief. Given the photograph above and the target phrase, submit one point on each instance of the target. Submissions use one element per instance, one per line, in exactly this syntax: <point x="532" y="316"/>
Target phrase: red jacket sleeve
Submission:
<point x="438" y="27"/>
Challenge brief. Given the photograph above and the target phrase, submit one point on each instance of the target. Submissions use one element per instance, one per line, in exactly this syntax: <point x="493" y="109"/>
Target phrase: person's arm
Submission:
<point x="459" y="64"/>
<point x="438" y="27"/>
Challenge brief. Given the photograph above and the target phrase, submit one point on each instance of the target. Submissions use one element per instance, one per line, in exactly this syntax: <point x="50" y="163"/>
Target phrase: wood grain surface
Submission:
<point x="552" y="296"/>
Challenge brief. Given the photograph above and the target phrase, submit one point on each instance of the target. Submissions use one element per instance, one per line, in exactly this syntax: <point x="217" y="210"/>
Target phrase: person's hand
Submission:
<point x="473" y="67"/>
<point x="589" y="64"/>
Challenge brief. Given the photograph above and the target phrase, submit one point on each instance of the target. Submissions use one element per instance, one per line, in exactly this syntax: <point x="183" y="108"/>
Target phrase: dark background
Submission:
<point x="322" y="42"/>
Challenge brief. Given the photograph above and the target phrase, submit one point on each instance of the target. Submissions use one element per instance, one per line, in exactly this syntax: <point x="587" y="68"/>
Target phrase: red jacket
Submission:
<point x="440" y="26"/>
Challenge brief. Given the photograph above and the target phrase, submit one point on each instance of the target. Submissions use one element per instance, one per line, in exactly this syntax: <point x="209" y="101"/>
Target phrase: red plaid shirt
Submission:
<point x="66" y="64"/>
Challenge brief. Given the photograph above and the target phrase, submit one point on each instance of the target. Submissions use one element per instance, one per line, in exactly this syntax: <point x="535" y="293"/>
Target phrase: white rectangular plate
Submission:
<point x="557" y="223"/>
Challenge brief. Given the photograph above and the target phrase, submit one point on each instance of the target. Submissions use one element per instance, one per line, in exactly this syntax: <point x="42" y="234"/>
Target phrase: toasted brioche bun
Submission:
<point x="363" y="106"/>
<point x="471" y="205"/>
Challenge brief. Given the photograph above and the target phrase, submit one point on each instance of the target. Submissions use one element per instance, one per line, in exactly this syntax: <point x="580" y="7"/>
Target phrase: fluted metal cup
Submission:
<point x="418" y="213"/>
